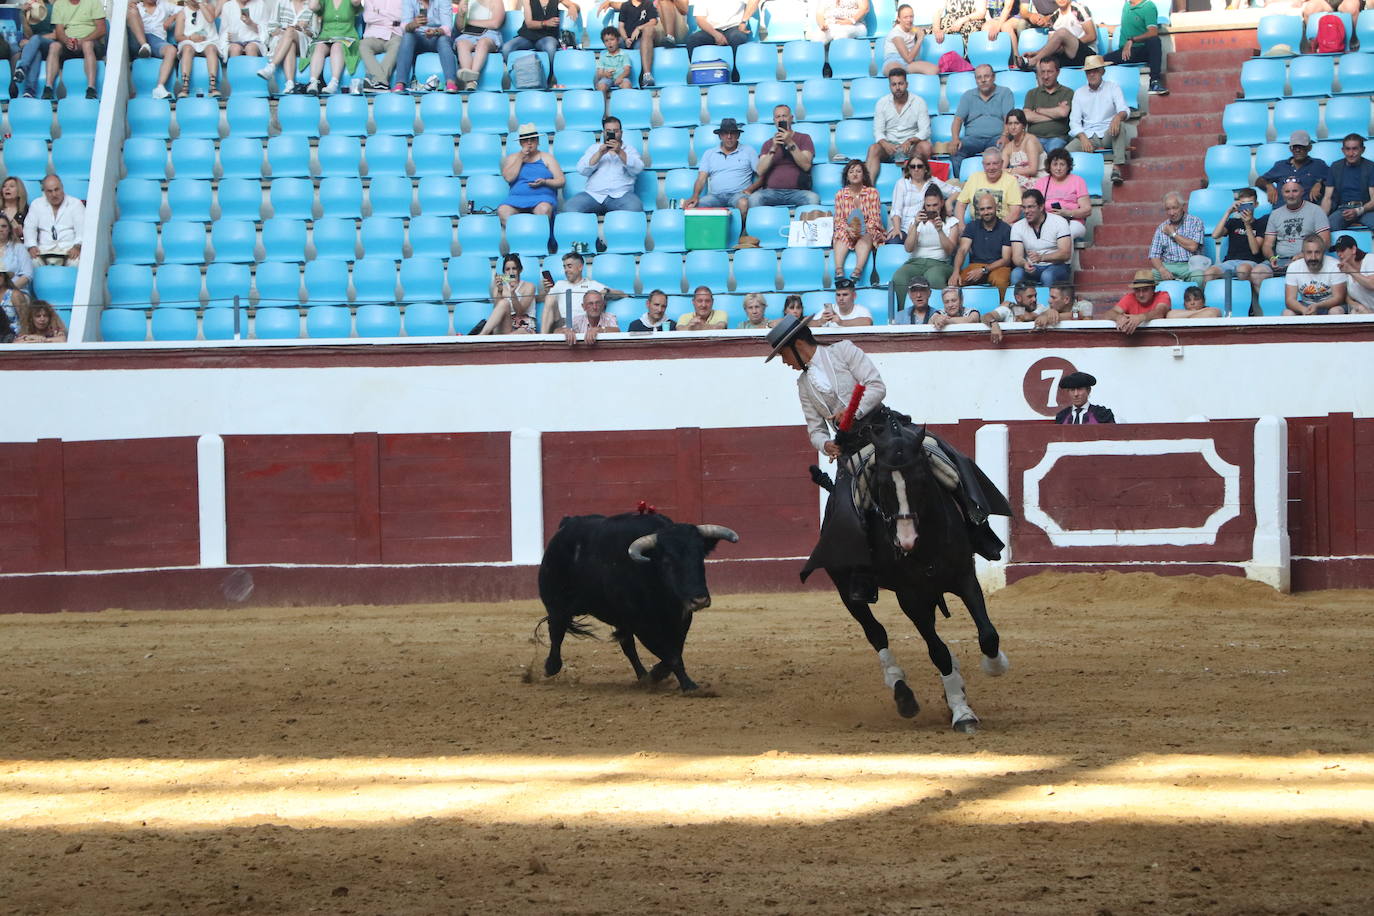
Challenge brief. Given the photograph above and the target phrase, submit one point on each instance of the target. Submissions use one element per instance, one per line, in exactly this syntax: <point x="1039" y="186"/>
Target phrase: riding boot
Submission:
<point x="863" y="586"/>
<point x="984" y="541"/>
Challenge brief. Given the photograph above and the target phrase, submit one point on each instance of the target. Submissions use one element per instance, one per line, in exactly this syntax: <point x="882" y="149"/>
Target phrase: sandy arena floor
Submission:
<point x="1159" y="746"/>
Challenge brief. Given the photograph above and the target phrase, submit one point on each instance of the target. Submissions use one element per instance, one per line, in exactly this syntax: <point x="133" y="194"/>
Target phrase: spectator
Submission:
<point x="958" y="17"/>
<point x="592" y="320"/>
<point x="1024" y="306"/>
<point x="901" y="126"/>
<point x="338" y="41"/>
<point x="79" y="30"/>
<point x="427" y="30"/>
<point x="13" y="256"/>
<point x="14" y="200"/>
<point x="640" y="30"/>
<point x="38" y="27"/>
<point x="1287" y="227"/>
<point x="12" y="301"/>
<point x="197" y="36"/>
<point x="784" y="166"/>
<point x="722" y="22"/>
<point x="479" y="33"/>
<point x="147" y="37"/>
<point x="512" y="300"/>
<point x="1244" y="235"/>
<point x="754" y="308"/>
<point x="534" y="177"/>
<point x="611" y="167"/>
<point x="1079" y="386"/>
<point x="984" y="255"/>
<point x="1072" y="37"/>
<point x="844" y="312"/>
<point x="7" y="329"/>
<point x="1313" y="174"/>
<point x="243" y="28"/>
<point x="1047" y="106"/>
<point x="1003" y="19"/>
<point x="294" y="27"/>
<point x="673" y="26"/>
<point x="1095" y="120"/>
<point x="382" y="31"/>
<point x="838" y="19"/>
<point x="1063" y="307"/>
<point x="40" y="323"/>
<point x="1022" y="153"/>
<point x="540" y="31"/>
<point x="902" y="48"/>
<point x="1140" y="305"/>
<point x="918" y="310"/>
<point x="53" y="229"/>
<point x="1358" y="268"/>
<point x="725" y="172"/>
<point x="569" y="293"/>
<point x="931" y="244"/>
<point x="654" y="317"/>
<point x="1041" y="244"/>
<point x="1038" y="13"/>
<point x="908" y="197"/>
<point x="1349" y="198"/>
<point x="858" y="219"/>
<point x="952" y="310"/>
<point x="1195" y="305"/>
<point x="1313" y="283"/>
<point x="1138" y="39"/>
<point x="978" y="121"/>
<point x="1004" y="188"/>
<point x="1065" y="194"/>
<point x="1176" y="248"/>
<point x="704" y="315"/>
<point x="1319" y="7"/>
<point x="613" y="66"/>
<point x="792" y="305"/>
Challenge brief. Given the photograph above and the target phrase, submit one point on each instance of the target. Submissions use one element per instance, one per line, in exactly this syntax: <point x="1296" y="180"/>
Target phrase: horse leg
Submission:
<point x="627" y="645"/>
<point x="558" y="627"/>
<point x="994" y="660"/>
<point x="893" y="675"/>
<point x="921" y="611"/>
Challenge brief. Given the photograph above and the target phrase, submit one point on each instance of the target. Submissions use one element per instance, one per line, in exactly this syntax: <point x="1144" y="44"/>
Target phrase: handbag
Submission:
<point x="810" y="233"/>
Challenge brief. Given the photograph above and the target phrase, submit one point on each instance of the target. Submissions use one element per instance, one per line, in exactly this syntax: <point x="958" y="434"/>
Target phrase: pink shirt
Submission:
<point x="1067" y="193"/>
<point x="382" y="18"/>
<point x="581" y="322"/>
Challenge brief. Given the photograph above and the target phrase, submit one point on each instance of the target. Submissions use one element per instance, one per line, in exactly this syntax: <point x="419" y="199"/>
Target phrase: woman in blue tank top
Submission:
<point x="534" y="177"/>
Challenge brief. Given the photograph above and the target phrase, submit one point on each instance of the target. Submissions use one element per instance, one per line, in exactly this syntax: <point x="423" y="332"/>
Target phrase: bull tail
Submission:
<point x="573" y="628"/>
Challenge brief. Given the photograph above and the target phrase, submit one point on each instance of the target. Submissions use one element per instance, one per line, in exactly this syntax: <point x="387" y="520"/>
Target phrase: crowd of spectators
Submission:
<point x="46" y="232"/>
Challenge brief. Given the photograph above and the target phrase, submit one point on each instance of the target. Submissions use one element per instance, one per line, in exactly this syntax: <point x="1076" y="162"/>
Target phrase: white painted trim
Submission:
<point x="992" y="451"/>
<point x="1206" y="533"/>
<point x="214" y="526"/>
<point x="526" y="497"/>
<point x="1272" y="559"/>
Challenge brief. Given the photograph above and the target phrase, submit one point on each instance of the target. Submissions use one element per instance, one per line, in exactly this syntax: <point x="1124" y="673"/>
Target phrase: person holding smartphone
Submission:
<point x="611" y="166"/>
<point x="243" y="28"/>
<point x="1244" y="235"/>
<point x="512" y="300"/>
<point x="784" y="166"/>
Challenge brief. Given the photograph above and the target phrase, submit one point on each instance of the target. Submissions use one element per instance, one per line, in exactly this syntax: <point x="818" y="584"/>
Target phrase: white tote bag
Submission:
<point x="810" y="233"/>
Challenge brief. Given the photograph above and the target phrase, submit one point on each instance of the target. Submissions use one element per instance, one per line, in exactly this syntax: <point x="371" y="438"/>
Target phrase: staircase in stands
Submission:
<point x="1203" y="75"/>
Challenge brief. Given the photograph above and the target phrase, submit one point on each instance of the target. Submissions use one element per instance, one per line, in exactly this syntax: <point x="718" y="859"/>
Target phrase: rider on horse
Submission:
<point x="829" y="374"/>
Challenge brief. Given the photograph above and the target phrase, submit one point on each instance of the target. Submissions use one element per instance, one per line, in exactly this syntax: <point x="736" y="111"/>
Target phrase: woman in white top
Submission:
<point x="292" y="28"/>
<point x="243" y="27"/>
<point x="197" y="36"/>
<point x="839" y="19"/>
<point x="902" y="49"/>
<point x="908" y="197"/>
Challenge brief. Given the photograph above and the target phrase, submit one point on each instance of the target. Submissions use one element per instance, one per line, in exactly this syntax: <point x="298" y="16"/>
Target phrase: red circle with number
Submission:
<point x="1041" y="385"/>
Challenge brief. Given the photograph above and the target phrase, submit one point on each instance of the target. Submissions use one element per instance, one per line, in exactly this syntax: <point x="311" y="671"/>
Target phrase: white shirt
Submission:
<point x="1071" y="20"/>
<point x="1357" y="293"/>
<point x="154" y="23"/>
<point x="233" y="27"/>
<point x="900" y="126"/>
<point x="907" y="199"/>
<point x="54" y="233"/>
<point x="858" y="311"/>
<point x="578" y="290"/>
<point x="1314" y="286"/>
<point x="928" y="240"/>
<point x="610" y="177"/>
<point x="1093" y="110"/>
<point x="1054" y="228"/>
<point x="897" y="38"/>
<point x="722" y="14"/>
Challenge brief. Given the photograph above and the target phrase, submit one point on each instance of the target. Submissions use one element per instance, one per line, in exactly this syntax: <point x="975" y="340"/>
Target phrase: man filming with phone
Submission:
<point x="784" y="166"/>
<point x="611" y="167"/>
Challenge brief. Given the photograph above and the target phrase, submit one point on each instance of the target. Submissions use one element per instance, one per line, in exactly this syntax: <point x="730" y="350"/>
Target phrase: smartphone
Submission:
<point x="548" y="278"/>
<point x="1056" y="206"/>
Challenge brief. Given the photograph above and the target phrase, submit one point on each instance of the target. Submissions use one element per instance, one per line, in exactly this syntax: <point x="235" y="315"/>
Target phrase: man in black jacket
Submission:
<point x="1079" y="385"/>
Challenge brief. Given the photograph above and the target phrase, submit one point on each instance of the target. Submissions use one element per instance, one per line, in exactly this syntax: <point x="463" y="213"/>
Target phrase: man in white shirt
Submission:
<point x="1358" y="268"/>
<point x="844" y="312"/>
<point x="901" y="126"/>
<point x="1098" y="115"/>
<point x="568" y="293"/>
<point x="611" y="167"/>
<point x="722" y="22"/>
<point x="147" y="33"/>
<point x="1041" y="244"/>
<point x="1314" y="284"/>
<point x="52" y="230"/>
<point x="382" y="29"/>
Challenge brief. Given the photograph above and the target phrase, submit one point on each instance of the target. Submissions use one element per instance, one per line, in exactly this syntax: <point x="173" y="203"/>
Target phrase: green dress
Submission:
<point x="337" y="23"/>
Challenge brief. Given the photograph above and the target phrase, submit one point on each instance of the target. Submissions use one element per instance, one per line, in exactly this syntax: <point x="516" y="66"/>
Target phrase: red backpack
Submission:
<point x="1330" y="35"/>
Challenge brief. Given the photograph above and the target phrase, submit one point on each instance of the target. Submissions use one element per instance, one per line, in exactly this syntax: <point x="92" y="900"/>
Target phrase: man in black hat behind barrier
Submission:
<point x="1079" y="385"/>
<point x="829" y="374"/>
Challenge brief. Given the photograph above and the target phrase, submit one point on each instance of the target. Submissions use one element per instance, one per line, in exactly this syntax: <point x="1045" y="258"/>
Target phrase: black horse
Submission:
<point x="919" y="541"/>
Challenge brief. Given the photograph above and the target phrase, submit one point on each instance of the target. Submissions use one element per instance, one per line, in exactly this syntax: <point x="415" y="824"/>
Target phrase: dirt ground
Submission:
<point x="1159" y="746"/>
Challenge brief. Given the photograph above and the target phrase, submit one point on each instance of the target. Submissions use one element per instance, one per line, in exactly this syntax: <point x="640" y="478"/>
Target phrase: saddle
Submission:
<point x="861" y="467"/>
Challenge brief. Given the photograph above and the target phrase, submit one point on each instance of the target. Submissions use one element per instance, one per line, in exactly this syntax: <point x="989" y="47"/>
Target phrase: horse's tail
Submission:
<point x="944" y="608"/>
<point x="822" y="479"/>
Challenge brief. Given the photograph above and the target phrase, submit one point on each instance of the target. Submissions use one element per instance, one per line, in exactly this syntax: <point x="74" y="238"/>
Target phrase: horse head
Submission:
<point x="903" y="476"/>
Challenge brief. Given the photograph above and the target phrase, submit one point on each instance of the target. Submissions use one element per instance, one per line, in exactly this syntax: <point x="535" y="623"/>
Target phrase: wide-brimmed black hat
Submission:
<point x="1077" y="380"/>
<point x="728" y="126"/>
<point x="786" y="331"/>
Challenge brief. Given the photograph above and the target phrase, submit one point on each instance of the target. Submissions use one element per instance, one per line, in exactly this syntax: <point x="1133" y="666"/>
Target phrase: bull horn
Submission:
<point x="641" y="544"/>
<point x="718" y="531"/>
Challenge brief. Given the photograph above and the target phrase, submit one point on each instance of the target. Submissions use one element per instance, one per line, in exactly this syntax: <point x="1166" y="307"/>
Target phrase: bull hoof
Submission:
<point x="966" y="726"/>
<point x="659" y="672"/>
<point x="996" y="667"/>
<point x="552" y="667"/>
<point x="907" y="707"/>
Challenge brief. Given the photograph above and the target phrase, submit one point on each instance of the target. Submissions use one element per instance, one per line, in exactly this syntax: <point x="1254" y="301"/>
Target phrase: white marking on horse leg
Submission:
<point x="906" y="531"/>
<point x="959" y="709"/>
<point x="892" y="672"/>
<point x="996" y="667"/>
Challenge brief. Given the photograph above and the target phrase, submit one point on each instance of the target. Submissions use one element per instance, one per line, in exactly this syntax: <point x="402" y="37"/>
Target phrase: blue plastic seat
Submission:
<point x="1347" y="115"/>
<point x="217" y="322"/>
<point x="670" y="66"/>
<point x="570" y="229"/>
<point x="535" y="107"/>
<point x="134" y="242"/>
<point x="669" y="147"/>
<point x="277" y="323"/>
<point x="143" y="76"/>
<point x="1208" y="204"/>
<point x="389" y="195"/>
<point x="299" y="115"/>
<point x="583" y="109"/>
<point x="76" y="116"/>
<point x="1356" y="73"/>
<point x="1215" y="291"/>
<point x="145" y="157"/>
<point x="289" y="156"/>
<point x="241" y="157"/>
<point x="248" y="116"/>
<point x="1294" y="114"/>
<point x="244" y="82"/>
<point x="821" y="100"/>
<point x="1092" y="167"/>
<point x="383" y="236"/>
<point x="423" y="279"/>
<point x="769" y="226"/>
<point x="617" y="271"/>
<point x="480" y="234"/>
<point x="174" y="324"/>
<point x="293" y="197"/>
<point x="178" y="286"/>
<point x="1263" y="78"/>
<point x="123" y="325"/>
<point x="568" y="147"/>
<point x="325" y="282"/>
<point x="480" y="154"/>
<point x="346" y="116"/>
<point x="756" y="269"/>
<point x="1245" y="123"/>
<point x="1273" y="30"/>
<point x="190" y="198"/>
<point x="74" y="76"/>
<point x="387" y="155"/>
<point x="575" y="69"/>
<point x="394" y="114"/>
<point x="240" y="198"/>
<point x="283" y="239"/>
<point x="727" y="100"/>
<point x="770" y="94"/>
<point x="378" y="320"/>
<point x="661" y="270"/>
<point x="756" y="63"/>
<point x="624" y="231"/>
<point x="646" y="187"/>
<point x="802" y="269"/>
<point x="335" y="239"/>
<point x="826" y="178"/>
<point x="1269" y="153"/>
<point x="489" y="113"/>
<point x="440" y="195"/>
<point x="374" y="280"/>
<point x="996" y="53"/>
<point x="138" y="199"/>
<point x="147" y="117"/>
<point x="471" y="274"/>
<point x="850" y="58"/>
<point x="785" y="24"/>
<point x="341" y="197"/>
<point x="71" y="156"/>
<point x="1272" y="300"/>
<point x="680" y="106"/>
<point x="865" y="93"/>
<point x="26" y="157"/>
<point x="130" y="284"/>
<point x="1312" y="75"/>
<point x="225" y="281"/>
<point x="234" y="240"/>
<point x="803" y="60"/>
<point x="933" y="50"/>
<point x="55" y="284"/>
<point x="198" y="118"/>
<point x="527" y="234"/>
<point x="340" y="156"/>
<point x="431" y="237"/>
<point x="278" y="283"/>
<point x="1228" y="166"/>
<point x="852" y="140"/>
<point x="441" y="113"/>
<point x="427" y="319"/>
<point x="666" y="231"/>
<point x="193" y="158"/>
<point x="711" y="268"/>
<point x="486" y="192"/>
<point x="1020" y="82"/>
<point x="634" y="108"/>
<point x="715" y="52"/>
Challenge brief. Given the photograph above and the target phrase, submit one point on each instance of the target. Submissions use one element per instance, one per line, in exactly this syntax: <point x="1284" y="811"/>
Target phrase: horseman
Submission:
<point x="829" y="374"/>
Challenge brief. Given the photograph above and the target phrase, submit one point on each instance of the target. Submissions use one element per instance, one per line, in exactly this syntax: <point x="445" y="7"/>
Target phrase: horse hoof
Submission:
<point x="996" y="667"/>
<point x="966" y="726"/>
<point x="552" y="667"/>
<point x="907" y="707"/>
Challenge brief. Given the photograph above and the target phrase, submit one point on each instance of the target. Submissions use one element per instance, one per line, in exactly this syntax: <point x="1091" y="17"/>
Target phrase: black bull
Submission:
<point x="644" y="575"/>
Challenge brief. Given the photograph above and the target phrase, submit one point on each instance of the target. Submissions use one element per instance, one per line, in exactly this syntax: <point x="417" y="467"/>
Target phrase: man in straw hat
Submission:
<point x="1140" y="305"/>
<point x="829" y="375"/>
<point x="1098" y="116"/>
